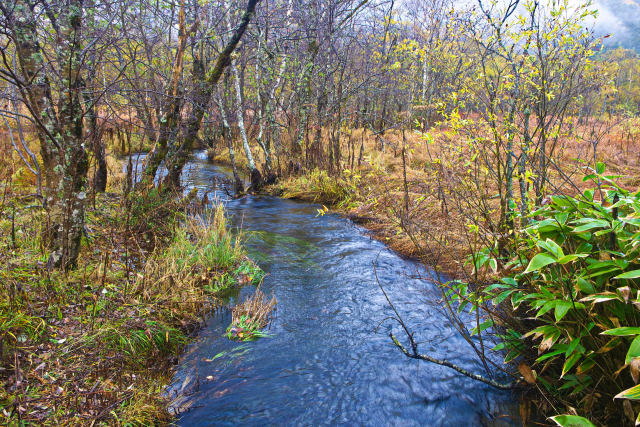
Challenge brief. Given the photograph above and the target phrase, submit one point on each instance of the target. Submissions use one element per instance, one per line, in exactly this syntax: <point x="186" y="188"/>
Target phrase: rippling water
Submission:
<point x="325" y="362"/>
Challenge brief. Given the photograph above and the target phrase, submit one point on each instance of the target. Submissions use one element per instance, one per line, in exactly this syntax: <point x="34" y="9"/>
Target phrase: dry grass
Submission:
<point x="442" y="201"/>
<point x="116" y="174"/>
<point x="251" y="316"/>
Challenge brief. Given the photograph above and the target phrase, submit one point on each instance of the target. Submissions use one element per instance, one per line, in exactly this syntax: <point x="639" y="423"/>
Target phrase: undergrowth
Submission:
<point x="318" y="186"/>
<point x="96" y="345"/>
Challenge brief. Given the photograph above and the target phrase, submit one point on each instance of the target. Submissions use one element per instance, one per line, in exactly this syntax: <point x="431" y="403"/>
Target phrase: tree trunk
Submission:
<point x="304" y="90"/>
<point x="253" y="171"/>
<point x="205" y="83"/>
<point x="60" y="135"/>
<point x="239" y="187"/>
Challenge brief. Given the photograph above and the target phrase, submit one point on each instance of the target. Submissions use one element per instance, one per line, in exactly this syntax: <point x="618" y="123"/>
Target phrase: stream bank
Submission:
<point x="97" y="345"/>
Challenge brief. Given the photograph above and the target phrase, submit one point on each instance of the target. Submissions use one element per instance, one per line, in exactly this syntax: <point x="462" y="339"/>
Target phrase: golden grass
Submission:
<point x="441" y="199"/>
<point x="252" y="315"/>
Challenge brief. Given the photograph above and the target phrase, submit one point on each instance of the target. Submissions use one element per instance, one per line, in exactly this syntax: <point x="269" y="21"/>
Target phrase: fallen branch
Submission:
<point x="416" y="355"/>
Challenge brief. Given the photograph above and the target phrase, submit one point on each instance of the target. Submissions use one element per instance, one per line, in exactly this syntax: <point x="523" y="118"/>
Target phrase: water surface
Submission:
<point x="329" y="360"/>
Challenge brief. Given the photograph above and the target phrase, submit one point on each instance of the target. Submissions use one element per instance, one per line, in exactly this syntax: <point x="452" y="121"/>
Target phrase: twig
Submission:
<point x="416" y="355"/>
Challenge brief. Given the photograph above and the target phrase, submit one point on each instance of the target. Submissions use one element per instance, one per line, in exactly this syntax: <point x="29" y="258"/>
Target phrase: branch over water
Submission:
<point x="416" y="355"/>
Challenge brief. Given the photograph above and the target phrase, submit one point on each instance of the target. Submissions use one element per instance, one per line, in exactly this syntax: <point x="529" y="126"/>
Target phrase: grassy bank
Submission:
<point x="96" y="345"/>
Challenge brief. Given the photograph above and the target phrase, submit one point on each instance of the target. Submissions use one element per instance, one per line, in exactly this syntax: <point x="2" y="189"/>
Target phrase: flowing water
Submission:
<point x="329" y="359"/>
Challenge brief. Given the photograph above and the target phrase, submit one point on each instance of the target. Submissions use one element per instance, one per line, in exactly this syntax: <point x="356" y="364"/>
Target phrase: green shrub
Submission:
<point x="575" y="299"/>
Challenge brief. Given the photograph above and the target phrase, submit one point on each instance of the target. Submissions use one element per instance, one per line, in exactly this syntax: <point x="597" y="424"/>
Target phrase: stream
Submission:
<point x="329" y="359"/>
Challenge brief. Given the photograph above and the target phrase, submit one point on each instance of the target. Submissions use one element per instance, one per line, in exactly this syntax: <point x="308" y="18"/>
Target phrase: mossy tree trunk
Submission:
<point x="60" y="132"/>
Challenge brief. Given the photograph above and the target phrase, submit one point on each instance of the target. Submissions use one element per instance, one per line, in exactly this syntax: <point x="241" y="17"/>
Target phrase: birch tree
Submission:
<point x="59" y="119"/>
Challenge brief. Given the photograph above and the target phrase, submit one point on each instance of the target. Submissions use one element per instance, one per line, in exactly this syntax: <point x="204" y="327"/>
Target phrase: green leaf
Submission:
<point x="585" y="248"/>
<point x="575" y="344"/>
<point x="513" y="354"/>
<point x="552" y="247"/>
<point x="539" y="261"/>
<point x="593" y="223"/>
<point x="546" y="226"/>
<point x="550" y="354"/>
<point x="587" y="364"/>
<point x="585" y="286"/>
<point x="632" y="393"/>
<point x="568" y="258"/>
<point x="634" y="274"/>
<point x="495" y="286"/>
<point x="564" y="201"/>
<point x="572" y="421"/>
<point x="624" y="331"/>
<point x="509" y="281"/>
<point x="588" y="194"/>
<point x="503" y="296"/>
<point x="571" y="360"/>
<point x="493" y="264"/>
<point x="546" y="307"/>
<point x="499" y="346"/>
<point x="483" y="327"/>
<point x="603" y="272"/>
<point x="634" y="350"/>
<point x="562" y="307"/>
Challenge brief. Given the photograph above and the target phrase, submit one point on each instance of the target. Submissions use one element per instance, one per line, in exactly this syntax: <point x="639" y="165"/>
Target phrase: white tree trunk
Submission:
<point x="240" y="110"/>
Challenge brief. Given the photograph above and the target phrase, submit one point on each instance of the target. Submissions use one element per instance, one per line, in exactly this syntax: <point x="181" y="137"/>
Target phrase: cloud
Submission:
<point x="620" y="19"/>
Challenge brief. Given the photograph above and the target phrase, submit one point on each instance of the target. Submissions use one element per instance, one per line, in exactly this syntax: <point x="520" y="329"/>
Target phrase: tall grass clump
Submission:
<point x="135" y="343"/>
<point x="249" y="318"/>
<point x="570" y="309"/>
<point x="203" y="259"/>
<point x="153" y="216"/>
<point x="319" y="186"/>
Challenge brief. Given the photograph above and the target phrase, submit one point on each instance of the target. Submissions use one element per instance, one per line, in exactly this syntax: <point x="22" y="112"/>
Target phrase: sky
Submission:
<point x="621" y="19"/>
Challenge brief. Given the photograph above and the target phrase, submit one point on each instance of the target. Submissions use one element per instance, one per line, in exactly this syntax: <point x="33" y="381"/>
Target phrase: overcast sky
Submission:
<point x="621" y="19"/>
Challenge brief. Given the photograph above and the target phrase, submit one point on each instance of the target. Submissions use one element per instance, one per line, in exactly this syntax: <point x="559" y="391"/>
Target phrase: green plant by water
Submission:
<point x="574" y="299"/>
<point x="245" y="329"/>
